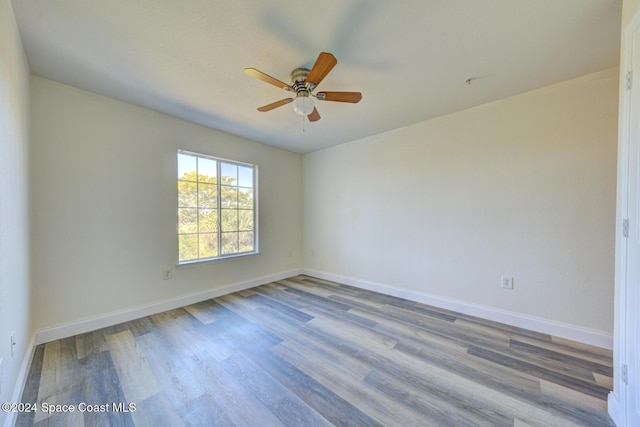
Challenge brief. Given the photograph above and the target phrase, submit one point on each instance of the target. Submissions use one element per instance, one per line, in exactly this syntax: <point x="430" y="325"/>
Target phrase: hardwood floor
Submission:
<point x="307" y="352"/>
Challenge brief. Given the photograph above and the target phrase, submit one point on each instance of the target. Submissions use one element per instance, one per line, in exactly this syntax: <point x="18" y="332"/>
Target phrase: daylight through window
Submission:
<point x="216" y="208"/>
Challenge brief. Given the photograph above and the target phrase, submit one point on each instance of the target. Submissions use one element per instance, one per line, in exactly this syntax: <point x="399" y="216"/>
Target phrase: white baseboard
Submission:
<point x="12" y="417"/>
<point x="558" y="329"/>
<point x="615" y="410"/>
<point x="90" y="324"/>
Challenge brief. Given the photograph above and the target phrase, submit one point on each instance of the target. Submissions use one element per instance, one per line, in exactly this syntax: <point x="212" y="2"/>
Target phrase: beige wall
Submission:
<point x="523" y="187"/>
<point x="14" y="197"/>
<point x="104" y="205"/>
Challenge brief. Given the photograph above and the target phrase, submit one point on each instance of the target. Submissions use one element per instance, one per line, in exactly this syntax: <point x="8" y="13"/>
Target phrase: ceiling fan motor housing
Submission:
<point x="303" y="104"/>
<point x="298" y="81"/>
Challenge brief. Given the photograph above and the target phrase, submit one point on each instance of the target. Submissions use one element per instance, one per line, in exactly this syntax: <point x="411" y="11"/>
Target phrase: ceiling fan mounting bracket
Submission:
<point x="299" y="74"/>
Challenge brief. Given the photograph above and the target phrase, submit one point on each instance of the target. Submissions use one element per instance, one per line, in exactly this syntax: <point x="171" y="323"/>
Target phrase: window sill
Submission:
<point x="203" y="262"/>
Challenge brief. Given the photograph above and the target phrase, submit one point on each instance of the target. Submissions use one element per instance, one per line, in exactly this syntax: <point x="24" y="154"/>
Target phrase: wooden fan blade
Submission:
<point x="266" y="78"/>
<point x="321" y="68"/>
<point x="314" y="116"/>
<point x="353" y="97"/>
<point x="276" y="104"/>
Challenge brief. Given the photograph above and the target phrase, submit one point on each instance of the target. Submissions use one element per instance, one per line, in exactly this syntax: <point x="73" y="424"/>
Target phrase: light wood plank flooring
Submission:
<point x="308" y="352"/>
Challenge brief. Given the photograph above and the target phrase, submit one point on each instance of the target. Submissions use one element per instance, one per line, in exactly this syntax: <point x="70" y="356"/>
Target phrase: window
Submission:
<point x="217" y="208"/>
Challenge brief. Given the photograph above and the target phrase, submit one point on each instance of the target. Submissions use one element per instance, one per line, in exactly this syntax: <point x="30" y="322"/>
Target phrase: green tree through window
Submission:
<point x="216" y="207"/>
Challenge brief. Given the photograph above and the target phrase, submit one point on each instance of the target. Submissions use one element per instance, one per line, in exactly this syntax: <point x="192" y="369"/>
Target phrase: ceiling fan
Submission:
<point x="303" y="82"/>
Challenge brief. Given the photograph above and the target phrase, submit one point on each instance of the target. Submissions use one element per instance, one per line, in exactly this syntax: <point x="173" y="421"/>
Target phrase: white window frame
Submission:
<point x="220" y="257"/>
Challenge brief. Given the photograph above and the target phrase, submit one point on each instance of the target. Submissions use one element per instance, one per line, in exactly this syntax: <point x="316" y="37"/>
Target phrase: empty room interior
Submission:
<point x="318" y="213"/>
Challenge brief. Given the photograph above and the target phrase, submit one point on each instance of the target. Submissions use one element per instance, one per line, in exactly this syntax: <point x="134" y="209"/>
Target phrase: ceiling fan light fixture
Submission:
<point x="303" y="104"/>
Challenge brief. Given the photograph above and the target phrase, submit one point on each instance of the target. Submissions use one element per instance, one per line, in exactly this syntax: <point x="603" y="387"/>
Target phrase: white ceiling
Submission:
<point x="409" y="58"/>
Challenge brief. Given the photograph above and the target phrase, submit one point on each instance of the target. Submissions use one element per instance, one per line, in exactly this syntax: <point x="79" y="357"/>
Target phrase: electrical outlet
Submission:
<point x="167" y="274"/>
<point x="13" y="343"/>
<point x="507" y="282"/>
